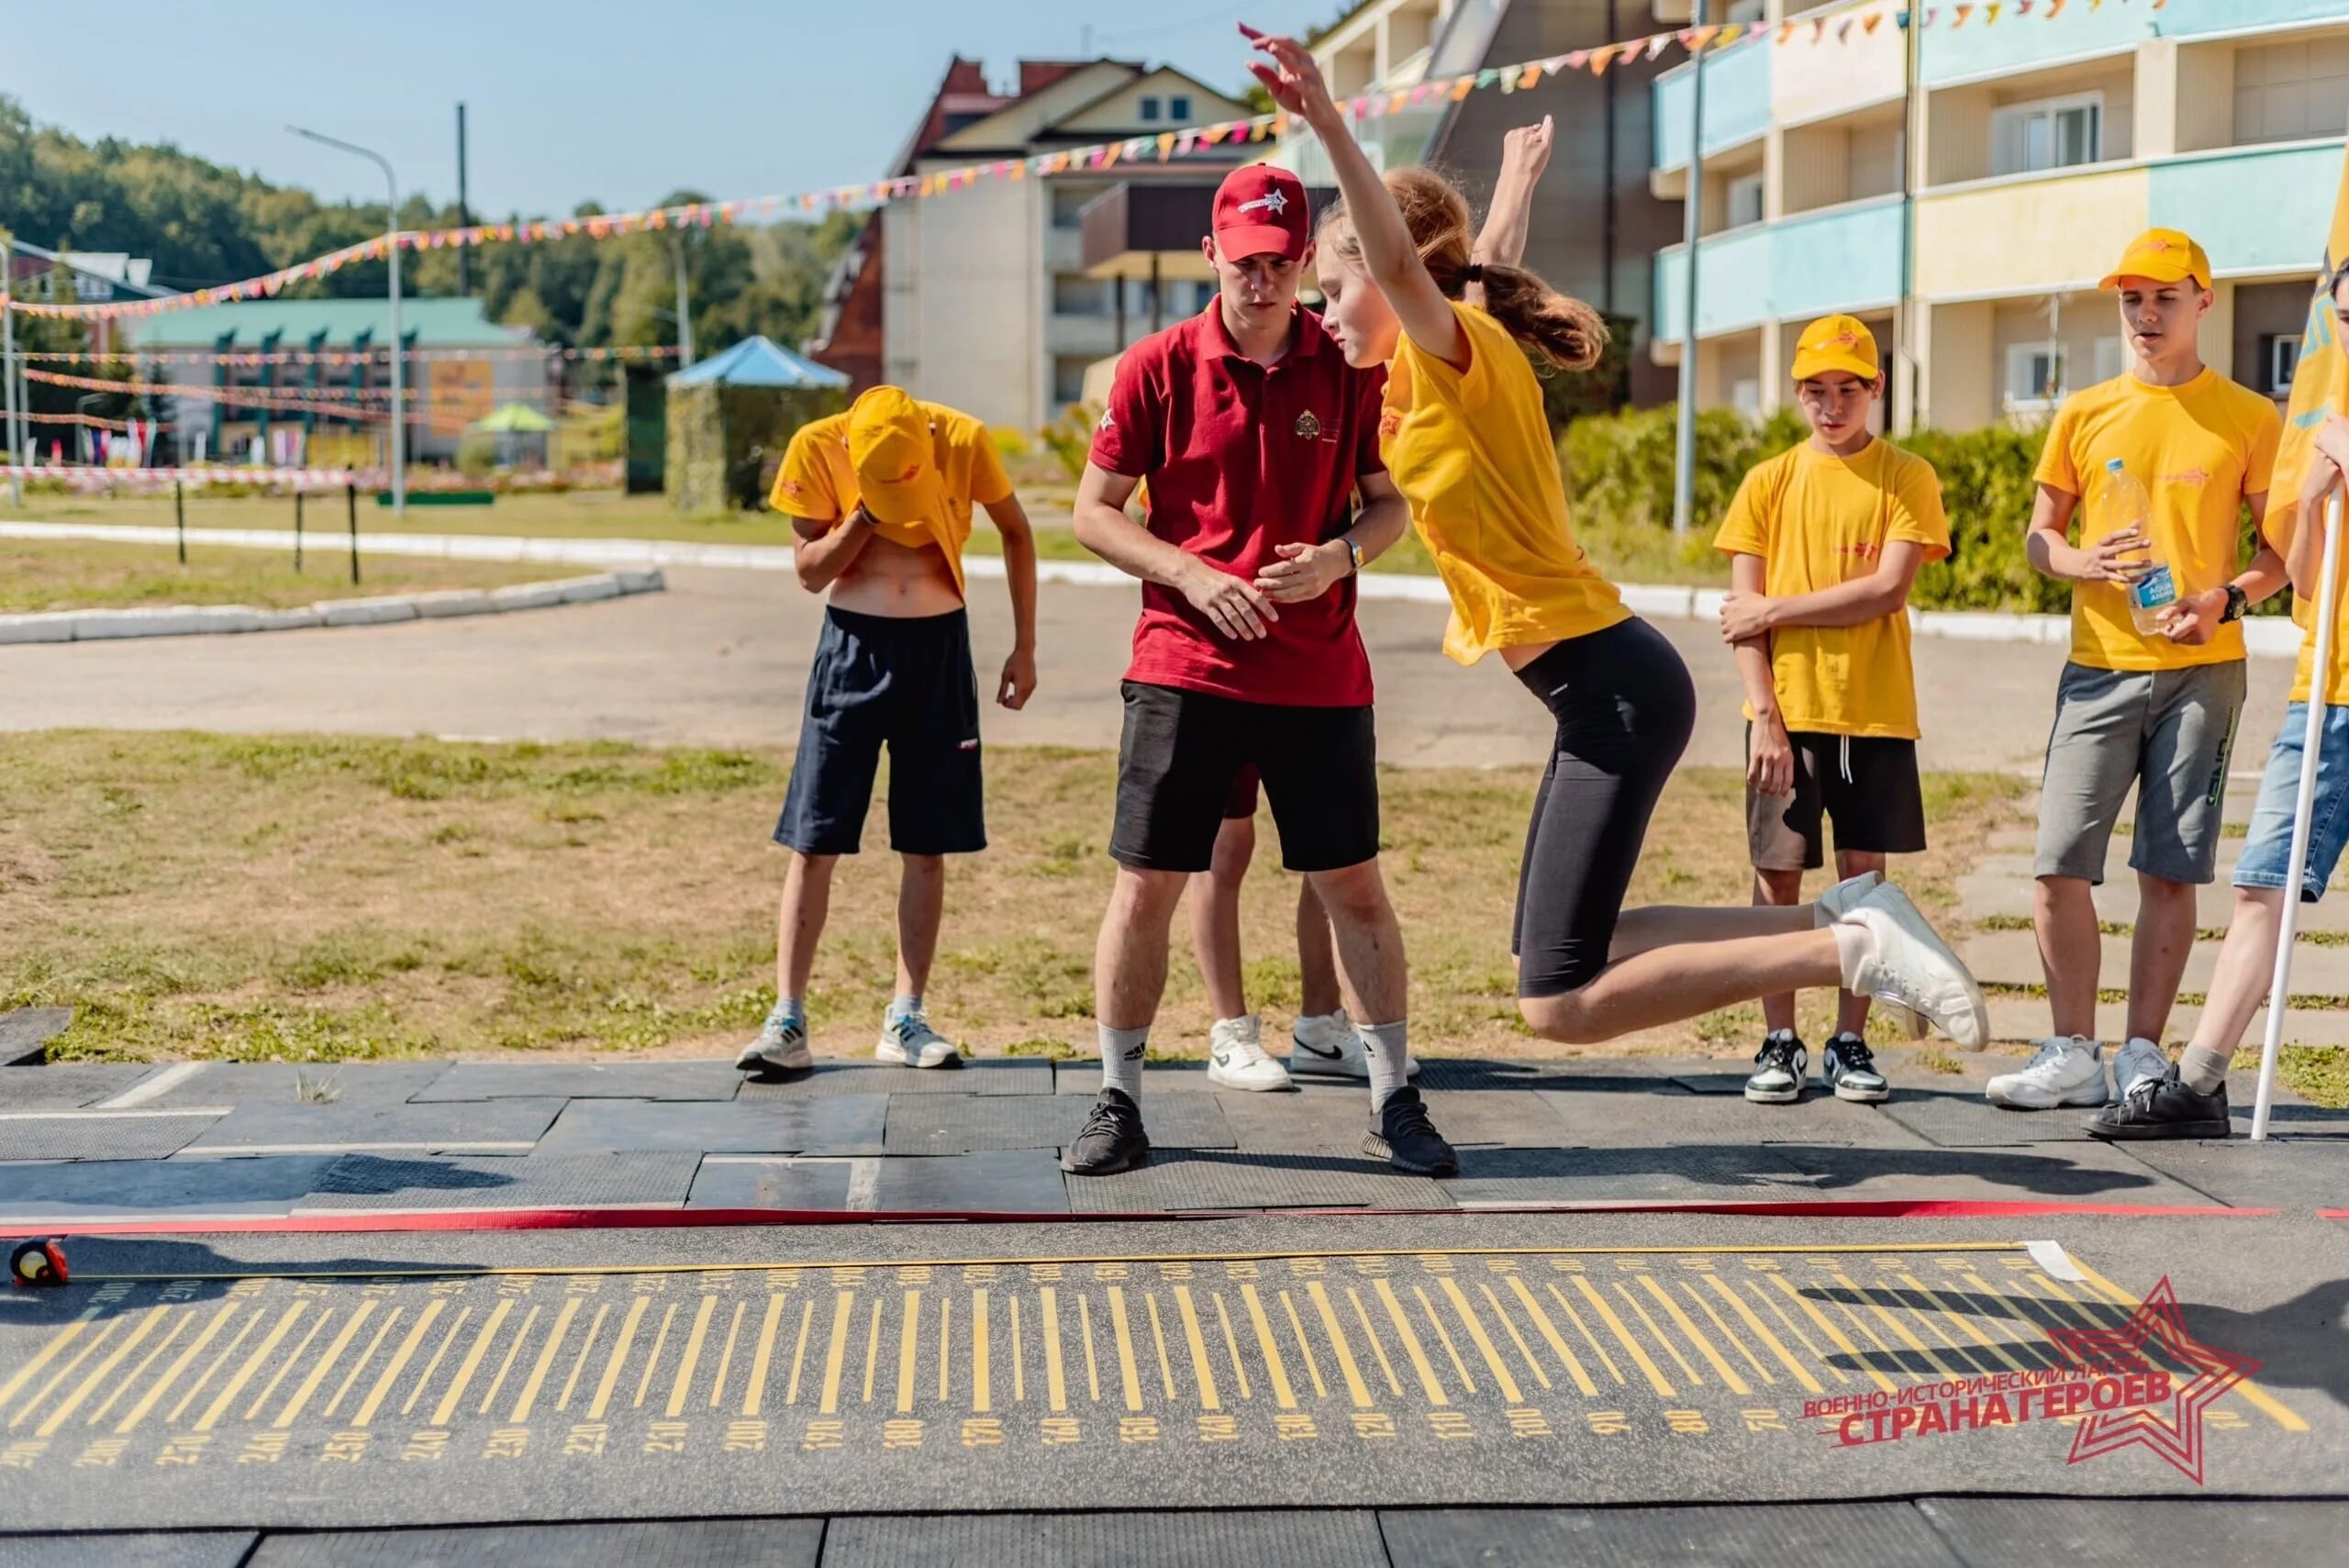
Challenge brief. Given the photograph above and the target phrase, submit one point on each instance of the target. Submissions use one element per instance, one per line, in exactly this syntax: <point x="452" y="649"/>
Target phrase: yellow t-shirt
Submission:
<point x="816" y="481"/>
<point x="2199" y="450"/>
<point x="1471" y="451"/>
<point x="1817" y="520"/>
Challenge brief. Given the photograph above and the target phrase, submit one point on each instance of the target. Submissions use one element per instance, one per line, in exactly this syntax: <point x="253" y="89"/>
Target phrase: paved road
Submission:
<point x="722" y="657"/>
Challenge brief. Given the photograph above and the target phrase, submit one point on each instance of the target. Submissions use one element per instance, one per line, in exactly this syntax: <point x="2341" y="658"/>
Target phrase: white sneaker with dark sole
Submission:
<point x="1780" y="1069"/>
<point x="2066" y="1071"/>
<point x="1330" y="1047"/>
<point x="907" y="1041"/>
<point x="1236" y="1058"/>
<point x="781" y="1047"/>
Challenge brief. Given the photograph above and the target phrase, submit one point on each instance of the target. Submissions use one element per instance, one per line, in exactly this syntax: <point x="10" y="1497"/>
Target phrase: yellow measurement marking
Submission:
<point x="270" y="1388"/>
<point x="945" y="1342"/>
<point x="1128" y="1378"/>
<point x="2276" y="1410"/>
<point x="1555" y="1341"/>
<point x="579" y="1362"/>
<point x="981" y="1380"/>
<point x="1055" y="1386"/>
<point x="1509" y="1323"/>
<point x="1231" y="1347"/>
<point x="806" y="1316"/>
<point x="506" y="1366"/>
<point x="1689" y="1373"/>
<point x="1443" y="1335"/>
<point x="1597" y="1350"/>
<point x="1637" y="1352"/>
<point x="1411" y="1347"/>
<point x="1882" y="1349"/>
<point x="82" y="1390"/>
<point x="1158" y="1337"/>
<point x="446" y="1409"/>
<point x="1995" y="1352"/>
<point x="1761" y="1332"/>
<point x="1688" y="1325"/>
<point x="659" y="1341"/>
<point x="536" y="1378"/>
<point x="149" y="1400"/>
<point x="1827" y="1326"/>
<point x="836" y="1353"/>
<point x="621" y="1347"/>
<point x="1356" y="1390"/>
<point x="1900" y="1329"/>
<point x="374" y="1342"/>
<point x="872" y="1347"/>
<point x="1795" y="1330"/>
<point x="1282" y="1396"/>
<point x="1483" y="1341"/>
<point x="691" y="1359"/>
<point x="908" y="1348"/>
<point x="1019" y="1358"/>
<point x="244" y="1374"/>
<point x="1305" y="1348"/>
<point x="763" y="1358"/>
<point x="1972" y="1361"/>
<point x="1194" y="1340"/>
<point x="726" y="1356"/>
<point x="212" y="1368"/>
<point x="1745" y="1351"/>
<point x="46" y="1389"/>
<point x="456" y="1327"/>
<point x="2024" y="1318"/>
<point x="1378" y="1349"/>
<point x="49" y="1352"/>
<point x="1092" y="1367"/>
<point x="150" y="1359"/>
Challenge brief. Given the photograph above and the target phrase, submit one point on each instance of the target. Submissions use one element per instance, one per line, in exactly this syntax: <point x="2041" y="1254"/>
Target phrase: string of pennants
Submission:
<point x="258" y="358"/>
<point x="324" y="397"/>
<point x="1162" y="146"/>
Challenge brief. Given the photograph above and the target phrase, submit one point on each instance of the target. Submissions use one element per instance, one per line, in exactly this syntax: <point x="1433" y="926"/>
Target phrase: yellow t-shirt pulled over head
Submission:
<point x="2199" y="450"/>
<point x="816" y="481"/>
<point x="1471" y="451"/>
<point x="1818" y="521"/>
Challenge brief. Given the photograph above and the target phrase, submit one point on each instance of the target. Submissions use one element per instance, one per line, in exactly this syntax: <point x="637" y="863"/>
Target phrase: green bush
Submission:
<point x="1070" y="437"/>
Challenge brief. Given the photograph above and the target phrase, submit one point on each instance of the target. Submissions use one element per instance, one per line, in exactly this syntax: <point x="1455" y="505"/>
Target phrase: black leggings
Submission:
<point x="1625" y="707"/>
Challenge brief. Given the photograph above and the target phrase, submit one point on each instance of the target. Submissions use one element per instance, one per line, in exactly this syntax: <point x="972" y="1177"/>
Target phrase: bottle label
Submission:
<point x="2154" y="590"/>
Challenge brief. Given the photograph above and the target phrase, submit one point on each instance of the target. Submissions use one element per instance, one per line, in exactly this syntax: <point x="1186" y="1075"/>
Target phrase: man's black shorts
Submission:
<point x="1184" y="751"/>
<point x="908" y="684"/>
<point x="1867" y="785"/>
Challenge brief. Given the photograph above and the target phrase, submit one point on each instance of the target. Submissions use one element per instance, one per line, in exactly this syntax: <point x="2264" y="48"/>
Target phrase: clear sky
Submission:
<point x="573" y="101"/>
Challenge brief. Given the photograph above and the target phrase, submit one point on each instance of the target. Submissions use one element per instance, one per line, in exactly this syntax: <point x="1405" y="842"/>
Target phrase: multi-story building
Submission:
<point x="2039" y="146"/>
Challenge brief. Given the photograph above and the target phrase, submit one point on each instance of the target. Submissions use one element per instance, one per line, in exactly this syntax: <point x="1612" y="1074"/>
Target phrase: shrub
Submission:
<point x="1070" y="437"/>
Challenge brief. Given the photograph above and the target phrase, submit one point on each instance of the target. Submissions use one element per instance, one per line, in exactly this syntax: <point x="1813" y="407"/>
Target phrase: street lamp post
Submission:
<point x="684" y="307"/>
<point x="1684" y="456"/>
<point x="399" y="345"/>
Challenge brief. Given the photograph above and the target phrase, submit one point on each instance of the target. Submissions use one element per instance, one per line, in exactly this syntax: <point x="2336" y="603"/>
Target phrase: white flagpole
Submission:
<point x="2312" y="750"/>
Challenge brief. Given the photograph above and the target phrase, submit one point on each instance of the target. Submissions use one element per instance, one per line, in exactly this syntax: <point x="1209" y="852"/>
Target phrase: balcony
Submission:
<point x="2027" y="233"/>
<point x="1845" y="258"/>
<point x="2255" y="209"/>
<point x="1962" y="54"/>
<point x="1737" y="102"/>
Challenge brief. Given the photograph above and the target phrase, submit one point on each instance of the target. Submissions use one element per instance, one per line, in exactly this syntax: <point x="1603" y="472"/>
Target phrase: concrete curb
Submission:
<point x="2264" y="637"/>
<point x="209" y="620"/>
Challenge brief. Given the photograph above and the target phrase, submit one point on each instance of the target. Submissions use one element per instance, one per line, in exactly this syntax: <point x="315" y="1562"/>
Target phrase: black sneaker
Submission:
<point x="1850" y="1069"/>
<point x="2165" y="1107"/>
<point x="1780" y="1069"/>
<point x="1112" y="1140"/>
<point x="1407" y="1140"/>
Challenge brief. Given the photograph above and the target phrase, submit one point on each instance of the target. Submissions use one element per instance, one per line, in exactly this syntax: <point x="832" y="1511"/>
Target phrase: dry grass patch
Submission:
<point x="76" y="575"/>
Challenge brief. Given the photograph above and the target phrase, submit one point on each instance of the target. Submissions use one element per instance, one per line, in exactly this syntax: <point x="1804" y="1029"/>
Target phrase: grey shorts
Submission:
<point x="2167" y="731"/>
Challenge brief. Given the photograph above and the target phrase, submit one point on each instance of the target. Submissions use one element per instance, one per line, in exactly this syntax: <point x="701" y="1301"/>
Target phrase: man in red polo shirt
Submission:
<point x="1253" y="436"/>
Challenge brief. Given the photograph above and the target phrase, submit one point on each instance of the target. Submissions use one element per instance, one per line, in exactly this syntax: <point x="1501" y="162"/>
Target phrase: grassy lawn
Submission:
<point x="313" y="898"/>
<point x="70" y="574"/>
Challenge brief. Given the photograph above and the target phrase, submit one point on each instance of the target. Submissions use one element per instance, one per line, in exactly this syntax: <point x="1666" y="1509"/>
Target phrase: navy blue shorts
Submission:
<point x="906" y="684"/>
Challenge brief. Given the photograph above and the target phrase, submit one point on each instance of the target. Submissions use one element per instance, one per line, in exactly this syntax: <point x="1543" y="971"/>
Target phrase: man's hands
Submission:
<point x="1305" y="571"/>
<point x="1525" y="151"/>
<point x="1745" y="616"/>
<point x="1234" y="607"/>
<point x="1293" y="78"/>
<point x="2106" y="561"/>
<point x="1770" y="760"/>
<point x="2332" y="440"/>
<point x="2194" y="619"/>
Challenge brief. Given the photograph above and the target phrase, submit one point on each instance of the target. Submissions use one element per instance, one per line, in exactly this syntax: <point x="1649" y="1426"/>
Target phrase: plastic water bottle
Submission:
<point x="2121" y="503"/>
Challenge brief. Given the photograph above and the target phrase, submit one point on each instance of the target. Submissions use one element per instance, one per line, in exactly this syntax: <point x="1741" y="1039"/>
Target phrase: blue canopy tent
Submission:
<point x="731" y="415"/>
<point x="760" y="361"/>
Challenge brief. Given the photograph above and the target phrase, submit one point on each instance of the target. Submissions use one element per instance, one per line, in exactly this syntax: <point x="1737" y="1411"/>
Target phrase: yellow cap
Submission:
<point x="2163" y="255"/>
<point x="896" y="463"/>
<point x="1836" y="343"/>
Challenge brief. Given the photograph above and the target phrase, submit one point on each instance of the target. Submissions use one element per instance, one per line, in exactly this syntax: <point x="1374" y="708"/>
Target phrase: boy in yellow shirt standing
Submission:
<point x="2153" y="709"/>
<point x="1825" y="541"/>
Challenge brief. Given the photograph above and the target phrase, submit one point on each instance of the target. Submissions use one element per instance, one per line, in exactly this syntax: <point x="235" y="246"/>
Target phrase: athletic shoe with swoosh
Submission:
<point x="1330" y="1047"/>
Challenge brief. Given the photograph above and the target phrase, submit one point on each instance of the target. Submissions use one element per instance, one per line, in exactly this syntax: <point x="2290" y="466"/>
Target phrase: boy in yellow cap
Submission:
<point x="2155" y="709"/>
<point x="1825" y="541"/>
<point x="880" y="501"/>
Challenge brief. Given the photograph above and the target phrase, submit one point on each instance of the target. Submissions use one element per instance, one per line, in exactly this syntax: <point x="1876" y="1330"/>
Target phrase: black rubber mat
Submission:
<point x="66" y="1087"/>
<point x="2283" y="1172"/>
<point x="301" y="1083"/>
<point x="187" y="1549"/>
<point x="994" y="1076"/>
<point x="836" y="1124"/>
<point x="1501" y="1176"/>
<point x="1082" y="1076"/>
<point x="674" y="1543"/>
<point x="99" y="1135"/>
<point x="2087" y="1172"/>
<point x="934" y="1124"/>
<point x="1332" y="1118"/>
<point x="2023" y="1532"/>
<point x="24" y="1032"/>
<point x="582" y="1081"/>
<point x="1299" y="1540"/>
<point x="1957" y="1120"/>
<point x="1004" y="1181"/>
<point x="1854" y="1535"/>
<point x="100" y="1189"/>
<point x="1666" y="1115"/>
<point x="490" y="1126"/>
<point x="546" y="1181"/>
<point x="1190" y="1179"/>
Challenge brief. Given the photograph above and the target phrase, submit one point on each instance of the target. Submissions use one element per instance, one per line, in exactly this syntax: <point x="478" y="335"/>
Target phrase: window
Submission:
<point x="1178" y="108"/>
<point x="1746" y="396"/>
<point x="2280" y="353"/>
<point x="1745" y="201"/>
<point x="1074" y="293"/>
<point x="1149" y="107"/>
<point x="1068" y="203"/>
<point x="2052" y="133"/>
<point x="2111" y="358"/>
<point x="2034" y="374"/>
<point x="1068" y="380"/>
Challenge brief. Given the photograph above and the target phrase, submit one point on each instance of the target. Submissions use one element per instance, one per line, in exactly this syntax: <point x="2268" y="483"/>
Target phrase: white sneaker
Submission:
<point x="907" y="1040"/>
<point x="2066" y="1071"/>
<point x="1844" y="898"/>
<point x="2138" y="1060"/>
<point x="1911" y="968"/>
<point x="1331" y="1046"/>
<point x="781" y="1047"/>
<point x="1237" y="1061"/>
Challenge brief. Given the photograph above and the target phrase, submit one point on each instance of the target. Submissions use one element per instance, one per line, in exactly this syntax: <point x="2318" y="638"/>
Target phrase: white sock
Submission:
<point x="1382" y="1045"/>
<point x="1121" y="1052"/>
<point x="904" y="1007"/>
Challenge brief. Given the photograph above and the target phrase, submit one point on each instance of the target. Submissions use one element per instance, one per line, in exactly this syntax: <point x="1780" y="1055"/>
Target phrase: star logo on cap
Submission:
<point x="1273" y="202"/>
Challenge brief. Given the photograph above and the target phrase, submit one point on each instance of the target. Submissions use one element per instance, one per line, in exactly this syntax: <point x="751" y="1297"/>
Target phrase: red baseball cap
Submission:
<point x="1260" y="209"/>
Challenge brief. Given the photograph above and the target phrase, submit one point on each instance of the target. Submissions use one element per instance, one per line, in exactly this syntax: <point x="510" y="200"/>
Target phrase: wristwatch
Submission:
<point x="1353" y="552"/>
<point x="2237" y="602"/>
